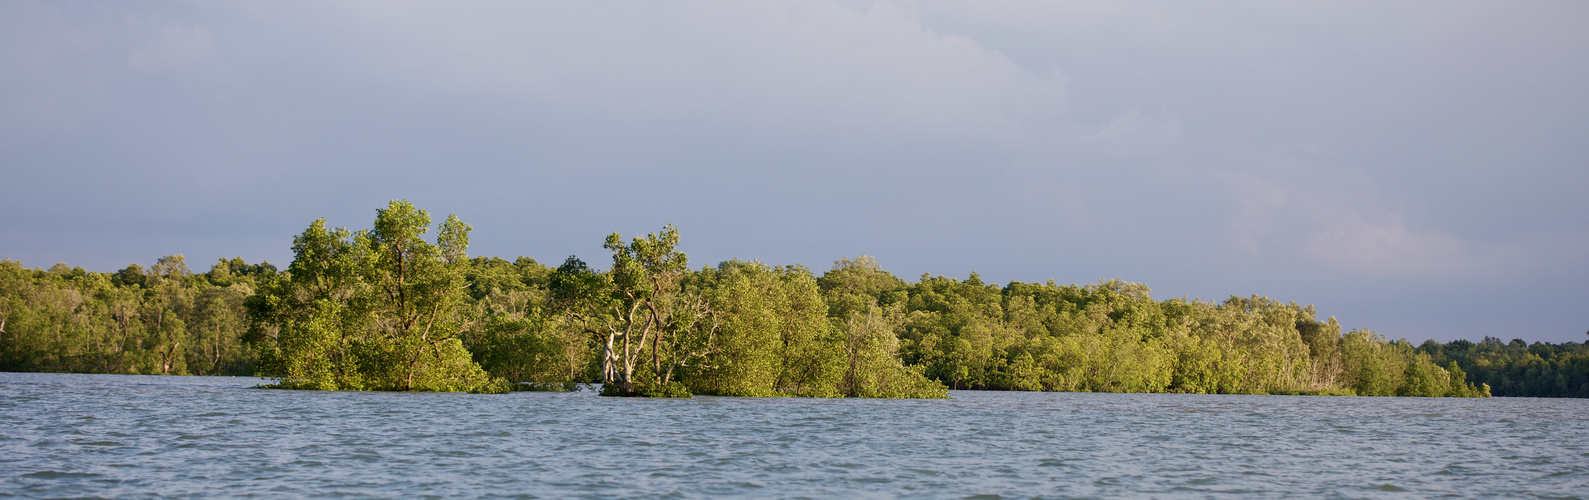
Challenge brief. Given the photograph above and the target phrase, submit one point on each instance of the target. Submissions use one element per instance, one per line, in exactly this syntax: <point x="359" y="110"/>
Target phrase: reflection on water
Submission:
<point x="119" y="435"/>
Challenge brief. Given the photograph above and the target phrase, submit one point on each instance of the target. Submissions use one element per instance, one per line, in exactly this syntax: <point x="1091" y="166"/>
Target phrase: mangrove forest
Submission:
<point x="402" y="306"/>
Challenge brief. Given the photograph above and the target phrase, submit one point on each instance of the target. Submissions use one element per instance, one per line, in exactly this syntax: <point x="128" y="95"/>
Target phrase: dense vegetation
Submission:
<point x="161" y="320"/>
<point x="1517" y="368"/>
<point x="387" y="309"/>
<point x="375" y="309"/>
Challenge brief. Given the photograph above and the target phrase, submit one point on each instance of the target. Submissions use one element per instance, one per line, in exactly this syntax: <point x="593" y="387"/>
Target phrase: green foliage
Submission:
<point x="856" y="285"/>
<point x="545" y="387"/>
<point x="873" y="368"/>
<point x="386" y="309"/>
<point x="751" y="306"/>
<point x="514" y="331"/>
<point x="159" y="320"/>
<point x="646" y="322"/>
<point x="672" y="389"/>
<point x="866" y="307"/>
<point x="378" y="309"/>
<point x="1517" y="368"/>
<point x="1113" y="337"/>
<point x="772" y="333"/>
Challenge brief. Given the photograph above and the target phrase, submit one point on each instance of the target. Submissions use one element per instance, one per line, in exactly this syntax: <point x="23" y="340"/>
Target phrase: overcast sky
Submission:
<point x="1420" y="169"/>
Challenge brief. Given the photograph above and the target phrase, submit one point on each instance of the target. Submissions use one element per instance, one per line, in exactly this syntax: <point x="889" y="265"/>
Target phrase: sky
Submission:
<point x="1416" y="168"/>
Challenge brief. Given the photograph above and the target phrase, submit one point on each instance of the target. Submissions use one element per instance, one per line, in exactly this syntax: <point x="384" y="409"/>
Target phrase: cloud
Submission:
<point x="1344" y="223"/>
<point x="1136" y="129"/>
<point x="1383" y="245"/>
<point x="1260" y="201"/>
<point x="810" y="63"/>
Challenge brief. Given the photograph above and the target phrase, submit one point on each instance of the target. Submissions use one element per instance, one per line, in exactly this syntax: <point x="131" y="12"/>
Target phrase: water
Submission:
<point x="135" y="436"/>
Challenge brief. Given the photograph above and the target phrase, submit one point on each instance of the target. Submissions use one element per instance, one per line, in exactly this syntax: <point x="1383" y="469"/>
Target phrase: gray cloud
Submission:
<point x="1415" y="168"/>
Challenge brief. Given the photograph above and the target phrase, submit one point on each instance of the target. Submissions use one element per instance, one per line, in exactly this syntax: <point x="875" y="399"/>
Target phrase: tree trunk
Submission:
<point x="165" y="361"/>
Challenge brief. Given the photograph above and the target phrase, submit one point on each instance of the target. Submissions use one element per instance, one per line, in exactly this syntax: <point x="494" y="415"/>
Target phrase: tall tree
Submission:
<point x="375" y="309"/>
<point x="649" y="324"/>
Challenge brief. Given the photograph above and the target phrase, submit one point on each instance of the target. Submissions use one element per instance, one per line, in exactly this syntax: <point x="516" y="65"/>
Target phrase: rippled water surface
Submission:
<point x="64" y="435"/>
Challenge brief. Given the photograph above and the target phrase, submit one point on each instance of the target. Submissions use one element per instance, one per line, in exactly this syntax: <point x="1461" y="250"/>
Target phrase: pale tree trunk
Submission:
<point x="165" y="361"/>
<point x="607" y="373"/>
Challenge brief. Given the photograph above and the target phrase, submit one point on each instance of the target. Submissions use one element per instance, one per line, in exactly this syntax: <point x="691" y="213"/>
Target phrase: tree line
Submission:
<point x="164" y="319"/>
<point x="396" y="308"/>
<point x="1517" y="368"/>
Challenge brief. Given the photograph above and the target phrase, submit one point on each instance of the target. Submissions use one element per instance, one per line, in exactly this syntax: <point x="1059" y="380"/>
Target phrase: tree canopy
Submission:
<point x="399" y="307"/>
<point x="370" y="309"/>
